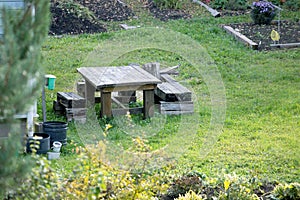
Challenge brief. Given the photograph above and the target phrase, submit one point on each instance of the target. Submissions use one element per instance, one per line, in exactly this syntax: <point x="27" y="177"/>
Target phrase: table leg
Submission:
<point x="105" y="104"/>
<point x="148" y="98"/>
<point x="89" y="94"/>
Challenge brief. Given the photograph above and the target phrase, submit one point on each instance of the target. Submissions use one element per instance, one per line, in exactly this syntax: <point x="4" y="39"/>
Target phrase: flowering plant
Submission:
<point x="263" y="12"/>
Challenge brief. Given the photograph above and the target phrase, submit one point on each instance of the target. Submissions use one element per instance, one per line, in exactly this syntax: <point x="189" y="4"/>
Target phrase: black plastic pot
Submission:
<point x="40" y="145"/>
<point x="57" y="131"/>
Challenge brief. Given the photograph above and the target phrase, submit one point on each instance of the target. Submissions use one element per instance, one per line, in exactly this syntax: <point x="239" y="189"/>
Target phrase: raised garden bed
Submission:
<point x="258" y="36"/>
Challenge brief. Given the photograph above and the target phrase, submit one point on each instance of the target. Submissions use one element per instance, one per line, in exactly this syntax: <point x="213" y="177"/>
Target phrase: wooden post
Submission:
<point x="105" y="104"/>
<point x="81" y="88"/>
<point x="89" y="94"/>
<point x="153" y="68"/>
<point x="148" y="98"/>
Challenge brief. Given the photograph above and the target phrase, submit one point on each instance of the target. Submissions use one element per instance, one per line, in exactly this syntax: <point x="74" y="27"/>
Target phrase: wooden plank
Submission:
<point x="171" y="90"/>
<point x="115" y="100"/>
<point x="70" y="100"/>
<point x="76" y="114"/>
<point x="170" y="70"/>
<point x="167" y="78"/>
<point x="212" y="11"/>
<point x="89" y="94"/>
<point x="179" y="105"/>
<point x="80" y="88"/>
<point x="126" y="93"/>
<point x="127" y="27"/>
<point x="175" y="112"/>
<point x="288" y="45"/>
<point x="241" y="37"/>
<point x="153" y="68"/>
<point x="105" y="110"/>
<point x="129" y="87"/>
<point x="182" y="107"/>
<point x="58" y="108"/>
<point x="148" y="99"/>
<point x="111" y="77"/>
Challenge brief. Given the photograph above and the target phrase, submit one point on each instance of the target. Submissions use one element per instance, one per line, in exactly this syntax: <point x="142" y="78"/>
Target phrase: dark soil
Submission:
<point x="65" y="22"/>
<point x="289" y="33"/>
<point x="166" y="14"/>
<point x="226" y="13"/>
<point x="108" y="10"/>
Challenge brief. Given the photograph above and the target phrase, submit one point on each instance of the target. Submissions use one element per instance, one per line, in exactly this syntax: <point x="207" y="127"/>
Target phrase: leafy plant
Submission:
<point x="287" y="191"/>
<point x="193" y="181"/>
<point x="292" y="5"/>
<point x="43" y="181"/>
<point x="173" y="4"/>
<point x="230" y="4"/>
<point x="263" y="12"/>
<point x="76" y="9"/>
<point x="191" y="195"/>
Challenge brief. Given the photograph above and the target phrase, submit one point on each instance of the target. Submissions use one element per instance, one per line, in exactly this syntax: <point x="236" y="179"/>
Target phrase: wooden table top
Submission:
<point x="109" y="77"/>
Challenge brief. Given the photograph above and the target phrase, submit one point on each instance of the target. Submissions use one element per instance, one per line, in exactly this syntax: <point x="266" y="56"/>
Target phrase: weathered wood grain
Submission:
<point x="70" y="100"/>
<point x="171" y="90"/>
<point x="110" y="77"/>
<point x="212" y="11"/>
<point x="148" y="99"/>
<point x="241" y="37"/>
<point x="170" y="70"/>
<point x="106" y="104"/>
<point x="289" y="45"/>
<point x="179" y="107"/>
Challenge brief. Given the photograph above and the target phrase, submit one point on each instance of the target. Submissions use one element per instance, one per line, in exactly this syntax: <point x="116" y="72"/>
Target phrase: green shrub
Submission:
<point x="287" y="191"/>
<point x="230" y="4"/>
<point x="77" y="9"/>
<point x="172" y="4"/>
<point x="236" y="188"/>
<point x="190" y="196"/>
<point x="41" y="183"/>
<point x="193" y="181"/>
<point x="292" y="5"/>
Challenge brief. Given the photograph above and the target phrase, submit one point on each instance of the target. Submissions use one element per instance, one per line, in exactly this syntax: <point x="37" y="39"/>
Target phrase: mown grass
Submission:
<point x="260" y="136"/>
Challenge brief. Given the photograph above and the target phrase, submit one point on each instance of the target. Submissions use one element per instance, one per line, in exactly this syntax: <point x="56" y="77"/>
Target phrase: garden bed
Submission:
<point x="289" y="33"/>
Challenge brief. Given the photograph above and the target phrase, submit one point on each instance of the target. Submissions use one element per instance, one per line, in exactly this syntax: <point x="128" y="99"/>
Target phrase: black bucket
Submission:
<point x="43" y="142"/>
<point x="57" y="131"/>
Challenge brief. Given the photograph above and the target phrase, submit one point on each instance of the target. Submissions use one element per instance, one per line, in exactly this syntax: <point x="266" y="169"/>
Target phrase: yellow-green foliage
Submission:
<point x="287" y="191"/>
<point x="91" y="179"/>
<point x="41" y="183"/>
<point x="236" y="188"/>
<point x="190" y="196"/>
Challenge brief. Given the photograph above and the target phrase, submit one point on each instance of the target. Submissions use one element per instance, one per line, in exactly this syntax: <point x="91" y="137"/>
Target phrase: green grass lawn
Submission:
<point x="261" y="130"/>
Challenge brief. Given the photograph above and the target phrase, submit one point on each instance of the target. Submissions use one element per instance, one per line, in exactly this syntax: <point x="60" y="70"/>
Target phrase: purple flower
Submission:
<point x="263" y="6"/>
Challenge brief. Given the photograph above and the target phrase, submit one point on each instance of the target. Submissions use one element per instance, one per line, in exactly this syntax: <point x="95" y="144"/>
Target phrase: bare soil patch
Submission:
<point x="261" y="34"/>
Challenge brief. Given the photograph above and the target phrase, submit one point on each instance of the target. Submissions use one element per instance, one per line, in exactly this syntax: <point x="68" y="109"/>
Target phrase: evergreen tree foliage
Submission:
<point x="21" y="76"/>
<point x="20" y="56"/>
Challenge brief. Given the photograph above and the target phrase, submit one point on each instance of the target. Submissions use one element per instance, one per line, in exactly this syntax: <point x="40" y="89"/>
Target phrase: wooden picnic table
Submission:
<point x="114" y="79"/>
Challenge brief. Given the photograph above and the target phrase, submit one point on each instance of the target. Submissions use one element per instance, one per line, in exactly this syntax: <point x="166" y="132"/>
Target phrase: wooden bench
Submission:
<point x="170" y="90"/>
<point x="71" y="105"/>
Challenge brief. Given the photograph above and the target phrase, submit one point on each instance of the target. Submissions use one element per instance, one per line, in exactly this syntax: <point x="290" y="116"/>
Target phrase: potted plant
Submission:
<point x="263" y="12"/>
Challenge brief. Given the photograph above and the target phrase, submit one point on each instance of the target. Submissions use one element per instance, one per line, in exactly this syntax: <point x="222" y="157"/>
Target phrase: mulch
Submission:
<point x="64" y="22"/>
<point x="166" y="14"/>
<point x="261" y="34"/>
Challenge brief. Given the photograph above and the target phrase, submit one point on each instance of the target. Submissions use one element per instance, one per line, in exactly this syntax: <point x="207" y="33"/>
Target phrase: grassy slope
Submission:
<point x="261" y="131"/>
